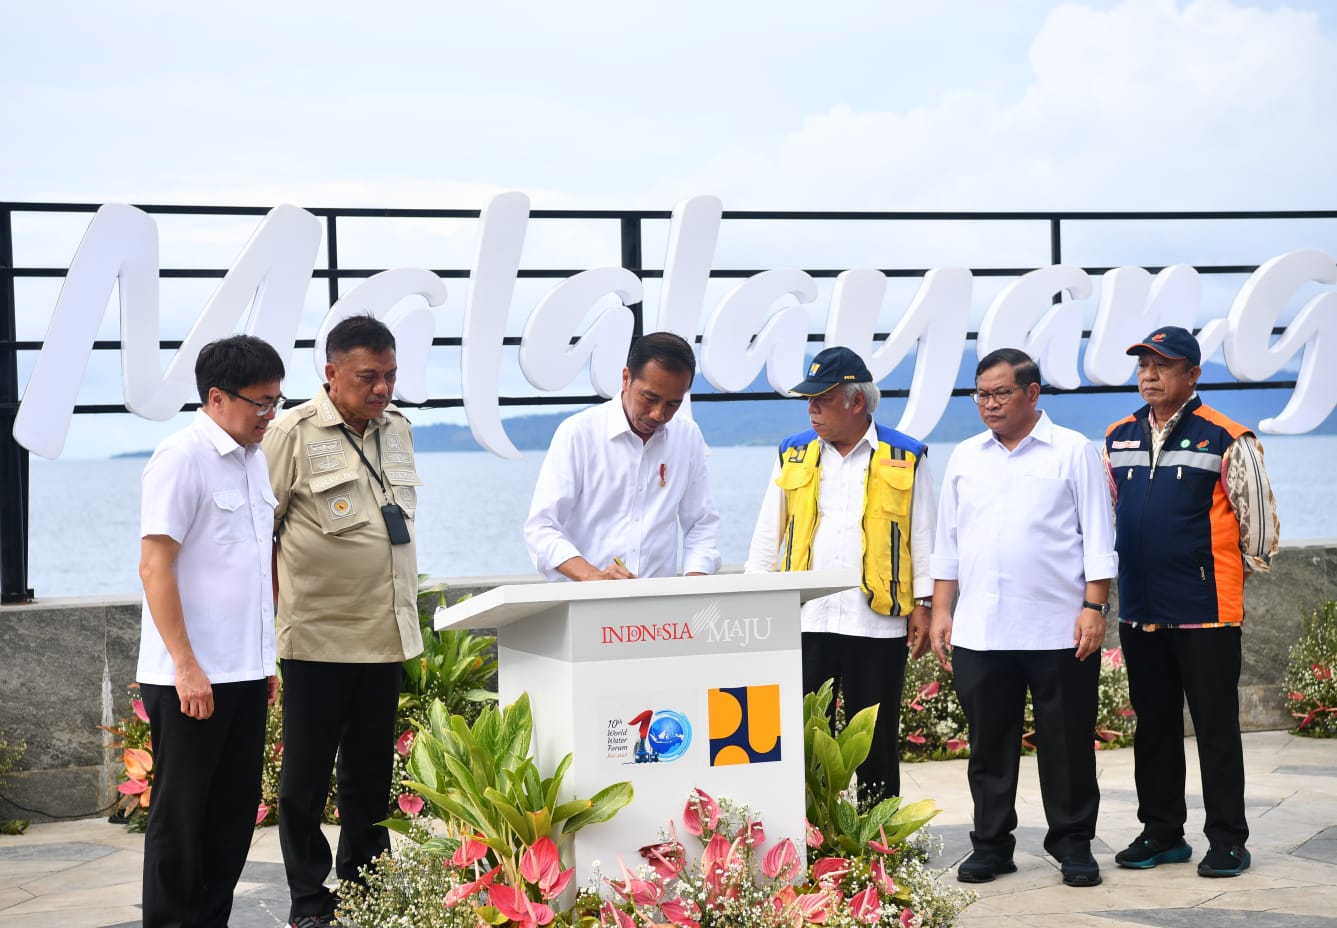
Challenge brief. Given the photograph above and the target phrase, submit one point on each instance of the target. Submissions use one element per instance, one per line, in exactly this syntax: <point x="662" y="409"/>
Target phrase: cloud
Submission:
<point x="1147" y="105"/>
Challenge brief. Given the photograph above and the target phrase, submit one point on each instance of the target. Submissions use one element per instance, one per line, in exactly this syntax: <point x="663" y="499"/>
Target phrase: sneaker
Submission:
<point x="1080" y="869"/>
<point x="1225" y="861"/>
<point x="982" y="868"/>
<point x="313" y="921"/>
<point x="1145" y="853"/>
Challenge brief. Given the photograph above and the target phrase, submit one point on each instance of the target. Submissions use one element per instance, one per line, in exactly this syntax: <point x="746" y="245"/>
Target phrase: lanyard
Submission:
<point x="358" y="448"/>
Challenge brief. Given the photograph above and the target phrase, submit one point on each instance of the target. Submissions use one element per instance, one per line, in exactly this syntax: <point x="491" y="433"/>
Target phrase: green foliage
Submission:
<point x="831" y="760"/>
<point x="9" y="756"/>
<point x="1311" y="674"/>
<point x="456" y="667"/>
<point x="480" y="777"/>
<point x="933" y="723"/>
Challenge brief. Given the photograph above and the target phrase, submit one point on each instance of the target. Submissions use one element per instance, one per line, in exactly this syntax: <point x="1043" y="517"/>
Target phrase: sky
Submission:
<point x="968" y="105"/>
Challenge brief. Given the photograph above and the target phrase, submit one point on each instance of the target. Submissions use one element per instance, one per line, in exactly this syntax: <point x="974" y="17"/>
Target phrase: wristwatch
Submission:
<point x="926" y="601"/>
<point x="1102" y="608"/>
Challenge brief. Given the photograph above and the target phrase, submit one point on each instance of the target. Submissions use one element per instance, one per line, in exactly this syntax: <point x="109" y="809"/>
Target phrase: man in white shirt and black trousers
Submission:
<point x="621" y="480"/>
<point x="1026" y="536"/>
<point x="206" y="646"/>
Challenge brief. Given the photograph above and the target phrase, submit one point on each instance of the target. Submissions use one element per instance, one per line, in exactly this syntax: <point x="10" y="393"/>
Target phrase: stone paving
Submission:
<point x="86" y="874"/>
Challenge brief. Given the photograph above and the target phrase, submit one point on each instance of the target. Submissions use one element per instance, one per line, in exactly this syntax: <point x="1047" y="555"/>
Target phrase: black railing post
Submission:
<point x="632" y="261"/>
<point x="332" y="257"/>
<point x="13" y="456"/>
<point x="1055" y="241"/>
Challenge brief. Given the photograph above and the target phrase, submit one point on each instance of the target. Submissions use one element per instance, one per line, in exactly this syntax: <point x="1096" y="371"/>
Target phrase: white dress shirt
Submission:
<point x="212" y="496"/>
<point x="602" y="493"/>
<point x="838" y="539"/>
<point x="1022" y="532"/>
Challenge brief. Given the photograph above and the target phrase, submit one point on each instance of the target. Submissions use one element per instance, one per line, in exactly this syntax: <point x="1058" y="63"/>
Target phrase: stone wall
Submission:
<point x="65" y="666"/>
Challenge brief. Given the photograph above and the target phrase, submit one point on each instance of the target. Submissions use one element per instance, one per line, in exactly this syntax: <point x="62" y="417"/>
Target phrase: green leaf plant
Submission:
<point x="837" y="826"/>
<point x="481" y="780"/>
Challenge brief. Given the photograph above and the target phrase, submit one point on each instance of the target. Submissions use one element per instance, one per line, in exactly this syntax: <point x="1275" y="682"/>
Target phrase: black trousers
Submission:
<point x="1164" y="666"/>
<point x="868" y="672"/>
<point x="341" y="717"/>
<point x="206" y="790"/>
<point x="992" y="688"/>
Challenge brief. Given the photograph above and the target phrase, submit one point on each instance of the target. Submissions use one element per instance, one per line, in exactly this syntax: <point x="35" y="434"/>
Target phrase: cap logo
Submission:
<point x="812" y="370"/>
<point x="1160" y="337"/>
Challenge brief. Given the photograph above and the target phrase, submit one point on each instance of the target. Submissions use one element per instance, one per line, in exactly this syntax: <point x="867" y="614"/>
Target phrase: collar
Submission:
<point x="869" y="436"/>
<point x="328" y="415"/>
<point x="1173" y="420"/>
<point x="1042" y="431"/>
<point x="214" y="434"/>
<point x="615" y="423"/>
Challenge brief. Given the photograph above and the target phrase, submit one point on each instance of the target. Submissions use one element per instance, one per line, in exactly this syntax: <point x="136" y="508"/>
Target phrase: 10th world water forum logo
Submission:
<point x="661" y="735"/>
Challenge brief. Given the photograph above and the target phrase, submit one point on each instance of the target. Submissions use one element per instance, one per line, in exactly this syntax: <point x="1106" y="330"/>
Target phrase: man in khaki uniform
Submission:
<point x="343" y="472"/>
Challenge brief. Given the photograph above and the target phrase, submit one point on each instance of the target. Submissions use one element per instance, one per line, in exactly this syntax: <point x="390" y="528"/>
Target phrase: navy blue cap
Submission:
<point x="1170" y="341"/>
<point x="833" y="366"/>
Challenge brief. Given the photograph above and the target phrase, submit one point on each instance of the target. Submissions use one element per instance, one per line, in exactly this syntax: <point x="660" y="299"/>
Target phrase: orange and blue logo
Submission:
<point x="1203" y="444"/>
<point x="744" y="725"/>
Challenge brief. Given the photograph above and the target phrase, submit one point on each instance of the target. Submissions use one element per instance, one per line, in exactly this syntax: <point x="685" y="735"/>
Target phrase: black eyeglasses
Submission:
<point x="1002" y="395"/>
<point x="261" y="409"/>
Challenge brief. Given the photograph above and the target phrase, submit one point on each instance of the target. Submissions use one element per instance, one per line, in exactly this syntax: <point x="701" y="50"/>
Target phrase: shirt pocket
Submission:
<point x="891" y="491"/>
<point x="339" y="506"/>
<point x="232" y="518"/>
<point x="403" y="483"/>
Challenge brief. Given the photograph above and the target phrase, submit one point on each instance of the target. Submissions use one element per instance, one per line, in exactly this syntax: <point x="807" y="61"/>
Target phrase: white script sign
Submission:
<point x="759" y="325"/>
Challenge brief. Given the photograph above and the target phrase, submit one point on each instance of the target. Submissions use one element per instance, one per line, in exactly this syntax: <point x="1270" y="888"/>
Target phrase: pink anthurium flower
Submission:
<point x="138" y="763"/>
<point x="907" y="918"/>
<point x="917" y="737"/>
<point x="1113" y="657"/>
<point x="830" y="870"/>
<point x="815" y="906"/>
<point x="812" y="835"/>
<point x="929" y="690"/>
<point x="465" y="890"/>
<point x="132" y="787"/>
<point x="638" y="892"/>
<point x="516" y="905"/>
<point x="883" y="846"/>
<point x="881" y="878"/>
<point x="681" y="913"/>
<point x="261" y="814"/>
<point x="610" y="916"/>
<point x="404" y="743"/>
<point x="470" y="851"/>
<point x="957" y="744"/>
<point x="865" y="906"/>
<point x="782" y="862"/>
<point x="409" y="803"/>
<point x="667" y="858"/>
<point x="752" y="833"/>
<point x="702" y="813"/>
<point x="141" y="713"/>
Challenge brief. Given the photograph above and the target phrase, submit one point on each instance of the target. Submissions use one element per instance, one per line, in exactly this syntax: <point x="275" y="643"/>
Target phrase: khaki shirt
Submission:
<point x="345" y="593"/>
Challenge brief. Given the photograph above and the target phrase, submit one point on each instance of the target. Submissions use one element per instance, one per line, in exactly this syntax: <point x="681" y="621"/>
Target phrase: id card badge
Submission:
<point x="395" y="524"/>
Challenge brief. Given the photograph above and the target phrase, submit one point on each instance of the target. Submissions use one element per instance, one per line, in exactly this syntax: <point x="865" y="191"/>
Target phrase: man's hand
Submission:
<point x="577" y="568"/>
<point x="1089" y="634"/>
<point x="193" y="691"/>
<point x="940" y="634"/>
<point x="917" y="634"/>
<point x="273" y="684"/>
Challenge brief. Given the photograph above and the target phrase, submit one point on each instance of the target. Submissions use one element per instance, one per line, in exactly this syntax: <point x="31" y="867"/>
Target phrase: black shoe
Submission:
<point x="313" y="921"/>
<point x="1145" y="853"/>
<point x="1224" y="861"/>
<point x="1080" y="869"/>
<point x="982" y="868"/>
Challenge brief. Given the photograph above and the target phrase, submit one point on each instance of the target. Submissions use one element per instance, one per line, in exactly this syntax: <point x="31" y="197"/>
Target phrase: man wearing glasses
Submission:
<point x="1026" y="536"/>
<point x="343" y="472"/>
<point x="206" y="647"/>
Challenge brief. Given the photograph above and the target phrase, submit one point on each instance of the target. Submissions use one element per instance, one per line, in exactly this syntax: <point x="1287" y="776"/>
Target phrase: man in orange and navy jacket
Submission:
<point x="1195" y="516"/>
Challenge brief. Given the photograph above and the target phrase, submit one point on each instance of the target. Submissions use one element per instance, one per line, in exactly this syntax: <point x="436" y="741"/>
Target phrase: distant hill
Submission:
<point x="765" y="422"/>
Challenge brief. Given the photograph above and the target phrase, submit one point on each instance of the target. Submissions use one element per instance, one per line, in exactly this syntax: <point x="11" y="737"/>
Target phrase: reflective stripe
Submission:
<point x="1204" y="460"/>
<point x="1130" y="458"/>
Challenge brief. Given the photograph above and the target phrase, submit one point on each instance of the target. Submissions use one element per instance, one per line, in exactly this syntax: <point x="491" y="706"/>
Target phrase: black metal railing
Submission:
<point x="14" y="458"/>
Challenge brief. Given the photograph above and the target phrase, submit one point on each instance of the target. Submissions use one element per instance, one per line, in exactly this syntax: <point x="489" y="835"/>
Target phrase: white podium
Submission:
<point x="669" y="683"/>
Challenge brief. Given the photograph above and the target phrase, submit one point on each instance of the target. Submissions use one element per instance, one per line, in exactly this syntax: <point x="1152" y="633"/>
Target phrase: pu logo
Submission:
<point x="814" y="368"/>
<point x="744" y="725"/>
<point x="1202" y="444"/>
